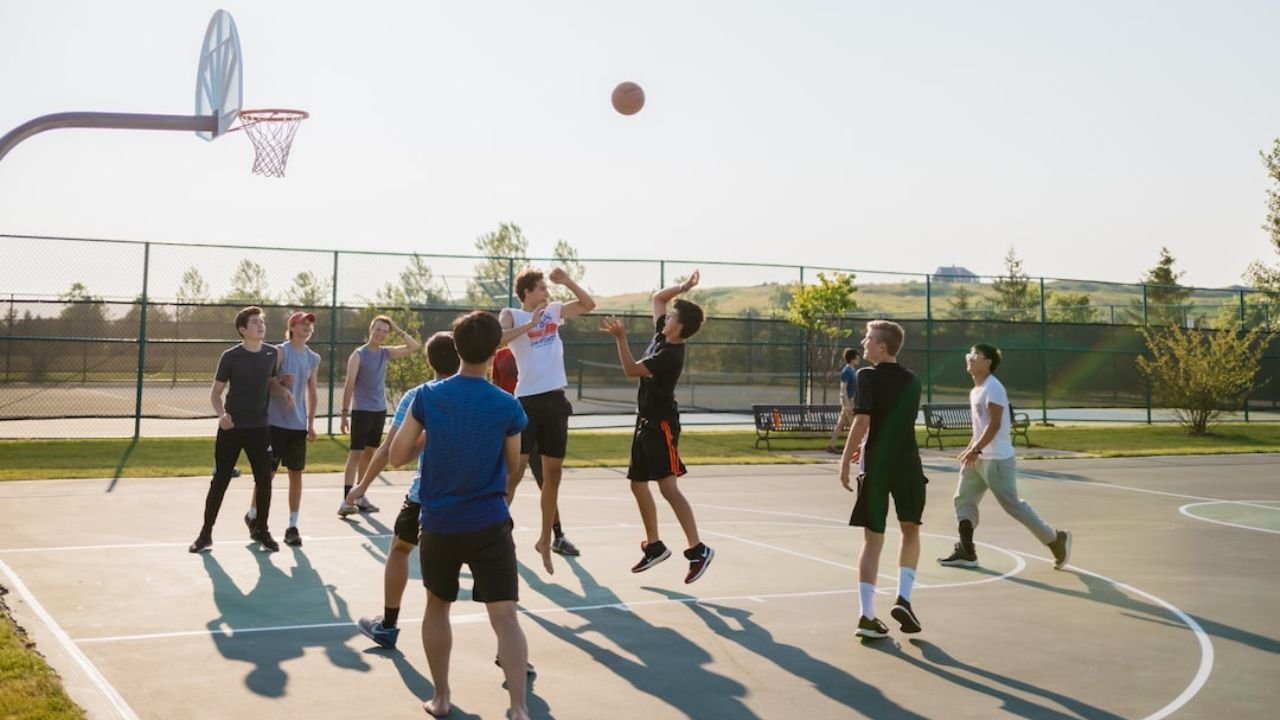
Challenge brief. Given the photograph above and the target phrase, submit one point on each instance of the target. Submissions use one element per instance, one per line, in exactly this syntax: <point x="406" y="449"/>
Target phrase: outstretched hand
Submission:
<point x="614" y="327"/>
<point x="558" y="276"/>
<point x="692" y="281"/>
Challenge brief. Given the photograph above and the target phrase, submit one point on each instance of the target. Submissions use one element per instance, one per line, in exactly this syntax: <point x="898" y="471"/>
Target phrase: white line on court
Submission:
<point x="1206" y="647"/>
<point x="1186" y="510"/>
<point x="117" y="702"/>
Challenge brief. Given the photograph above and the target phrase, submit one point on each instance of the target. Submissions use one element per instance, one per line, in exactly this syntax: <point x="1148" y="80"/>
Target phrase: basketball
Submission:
<point x="628" y="98"/>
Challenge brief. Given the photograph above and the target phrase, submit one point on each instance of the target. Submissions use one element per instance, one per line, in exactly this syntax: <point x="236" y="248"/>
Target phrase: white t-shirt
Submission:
<point x="991" y="391"/>
<point x="539" y="353"/>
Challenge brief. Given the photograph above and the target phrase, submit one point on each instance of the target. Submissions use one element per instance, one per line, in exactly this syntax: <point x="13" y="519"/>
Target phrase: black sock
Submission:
<point x="389" y="617"/>
<point x="966" y="535"/>
<point x="346" y="491"/>
<point x="559" y="531"/>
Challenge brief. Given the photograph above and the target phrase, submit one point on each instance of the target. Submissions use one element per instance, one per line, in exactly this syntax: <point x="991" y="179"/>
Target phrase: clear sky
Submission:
<point x="886" y="136"/>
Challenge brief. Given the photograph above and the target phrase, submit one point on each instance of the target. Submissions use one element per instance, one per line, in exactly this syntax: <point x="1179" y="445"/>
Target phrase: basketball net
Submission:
<point x="272" y="132"/>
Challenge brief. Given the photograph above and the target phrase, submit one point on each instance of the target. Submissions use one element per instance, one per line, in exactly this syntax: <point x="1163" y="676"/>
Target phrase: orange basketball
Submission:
<point x="628" y="98"/>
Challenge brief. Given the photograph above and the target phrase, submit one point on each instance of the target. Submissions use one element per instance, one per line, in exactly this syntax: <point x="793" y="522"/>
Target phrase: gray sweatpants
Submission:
<point x="1001" y="477"/>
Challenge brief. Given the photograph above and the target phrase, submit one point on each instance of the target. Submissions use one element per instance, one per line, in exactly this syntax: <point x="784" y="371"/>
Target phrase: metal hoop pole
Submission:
<point x="112" y="121"/>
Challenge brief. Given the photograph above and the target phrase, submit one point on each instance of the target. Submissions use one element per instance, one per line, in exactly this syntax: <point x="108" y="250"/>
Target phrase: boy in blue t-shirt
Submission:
<point x="848" y="392"/>
<point x="473" y="435"/>
<point x="383" y="629"/>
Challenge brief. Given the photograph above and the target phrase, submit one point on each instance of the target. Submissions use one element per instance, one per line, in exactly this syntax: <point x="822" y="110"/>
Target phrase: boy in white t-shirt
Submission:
<point x="532" y="331"/>
<point x="989" y="463"/>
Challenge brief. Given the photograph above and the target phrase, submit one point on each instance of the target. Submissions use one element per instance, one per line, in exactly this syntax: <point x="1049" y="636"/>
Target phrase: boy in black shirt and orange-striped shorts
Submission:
<point x="655" y="455"/>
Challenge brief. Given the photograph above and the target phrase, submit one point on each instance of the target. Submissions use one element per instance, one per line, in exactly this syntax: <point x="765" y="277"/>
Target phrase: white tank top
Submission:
<point x="539" y="353"/>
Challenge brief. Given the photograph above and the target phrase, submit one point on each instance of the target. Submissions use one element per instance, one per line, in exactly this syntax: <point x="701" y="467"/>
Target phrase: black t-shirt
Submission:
<point x="890" y="394"/>
<point x="248" y="374"/>
<point x="656" y="399"/>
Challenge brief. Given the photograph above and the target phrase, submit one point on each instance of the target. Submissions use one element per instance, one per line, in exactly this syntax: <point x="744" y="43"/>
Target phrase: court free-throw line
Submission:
<point x="117" y="702"/>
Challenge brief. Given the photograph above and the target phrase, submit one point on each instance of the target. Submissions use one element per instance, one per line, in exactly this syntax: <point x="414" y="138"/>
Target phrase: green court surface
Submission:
<point x="1162" y="611"/>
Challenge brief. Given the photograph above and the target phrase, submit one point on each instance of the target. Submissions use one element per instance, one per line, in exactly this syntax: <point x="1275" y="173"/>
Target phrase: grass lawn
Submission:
<point x="29" y="690"/>
<point x="166" y="457"/>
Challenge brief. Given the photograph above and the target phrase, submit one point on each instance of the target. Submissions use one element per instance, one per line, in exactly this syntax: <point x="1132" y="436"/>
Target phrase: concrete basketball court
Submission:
<point x="1162" y="611"/>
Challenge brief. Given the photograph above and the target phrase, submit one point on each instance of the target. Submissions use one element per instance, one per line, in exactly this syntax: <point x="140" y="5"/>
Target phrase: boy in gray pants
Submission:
<point x="989" y="463"/>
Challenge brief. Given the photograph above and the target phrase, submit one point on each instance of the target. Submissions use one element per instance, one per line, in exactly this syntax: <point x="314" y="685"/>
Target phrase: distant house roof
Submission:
<point x="954" y="273"/>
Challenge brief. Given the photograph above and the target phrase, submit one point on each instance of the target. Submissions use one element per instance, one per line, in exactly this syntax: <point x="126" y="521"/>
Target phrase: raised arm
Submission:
<point x="667" y="294"/>
<point x="410" y="346"/>
<point x="630" y="367"/>
<point x="584" y="302"/>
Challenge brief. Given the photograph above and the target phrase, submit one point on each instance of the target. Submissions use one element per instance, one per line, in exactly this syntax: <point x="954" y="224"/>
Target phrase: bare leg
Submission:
<point x="437" y="641"/>
<point x="351" y="473"/>
<point x="366" y="456"/>
<point x="909" y="551"/>
<point x="869" y="557"/>
<point x="295" y="491"/>
<point x="552" y="468"/>
<point x="648" y="510"/>
<point x="396" y="576"/>
<point x="680" y="506"/>
<point x="513" y="652"/>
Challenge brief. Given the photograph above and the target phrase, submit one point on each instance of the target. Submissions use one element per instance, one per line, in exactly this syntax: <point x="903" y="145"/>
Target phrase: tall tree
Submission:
<point x="193" y="288"/>
<point x="1166" y="299"/>
<point x="960" y="305"/>
<point x="566" y="256"/>
<point x="1070" y="308"/>
<point x="1015" y="296"/>
<point x="249" y="285"/>
<point x="417" y="287"/>
<point x="506" y="251"/>
<point x="308" y="291"/>
<point x="823" y="309"/>
<point x="85" y="311"/>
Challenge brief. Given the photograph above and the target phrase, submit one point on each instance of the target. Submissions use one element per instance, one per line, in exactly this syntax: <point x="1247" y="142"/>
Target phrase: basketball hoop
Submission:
<point x="271" y="131"/>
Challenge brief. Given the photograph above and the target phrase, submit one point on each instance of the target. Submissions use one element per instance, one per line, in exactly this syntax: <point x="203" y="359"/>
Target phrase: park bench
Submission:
<point x="955" y="419"/>
<point x="812" y="419"/>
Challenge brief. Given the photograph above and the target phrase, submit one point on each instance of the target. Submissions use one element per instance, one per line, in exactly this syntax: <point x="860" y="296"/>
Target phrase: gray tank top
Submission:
<point x="371" y="381"/>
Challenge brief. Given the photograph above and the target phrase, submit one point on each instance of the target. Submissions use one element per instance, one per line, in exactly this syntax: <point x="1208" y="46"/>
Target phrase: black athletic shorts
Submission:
<point x="366" y="428"/>
<point x="548" y="427"/>
<point x="490" y="553"/>
<point x="407" y="521"/>
<point x="655" y="450"/>
<point x="907" y="488"/>
<point x="289" y="448"/>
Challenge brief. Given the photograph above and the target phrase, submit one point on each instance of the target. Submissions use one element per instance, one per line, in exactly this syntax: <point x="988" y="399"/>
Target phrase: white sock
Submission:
<point x="293" y="519"/>
<point x="867" y="600"/>
<point x="906" y="580"/>
<point x="252" y="514"/>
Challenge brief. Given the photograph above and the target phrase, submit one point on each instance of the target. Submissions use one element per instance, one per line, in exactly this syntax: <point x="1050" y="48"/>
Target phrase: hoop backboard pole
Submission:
<point x="114" y="121"/>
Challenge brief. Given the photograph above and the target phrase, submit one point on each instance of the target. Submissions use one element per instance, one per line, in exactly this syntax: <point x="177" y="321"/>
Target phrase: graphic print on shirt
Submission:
<point x="545" y="332"/>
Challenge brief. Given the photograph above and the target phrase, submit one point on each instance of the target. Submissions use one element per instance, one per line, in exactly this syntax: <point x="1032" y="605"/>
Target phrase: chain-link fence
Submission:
<point x="134" y="329"/>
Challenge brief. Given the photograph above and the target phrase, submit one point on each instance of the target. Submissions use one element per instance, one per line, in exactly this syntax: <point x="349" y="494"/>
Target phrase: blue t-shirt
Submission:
<point x="463" y="467"/>
<point x="849" y="377"/>
<point x="401" y="410"/>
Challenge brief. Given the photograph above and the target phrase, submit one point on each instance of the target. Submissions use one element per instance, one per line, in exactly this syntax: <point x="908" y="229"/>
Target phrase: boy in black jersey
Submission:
<point x="884" y="412"/>
<point x="655" y="455"/>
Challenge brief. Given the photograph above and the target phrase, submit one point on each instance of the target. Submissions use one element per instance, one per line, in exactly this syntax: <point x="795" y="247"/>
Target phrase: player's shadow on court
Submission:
<point x="284" y="601"/>
<point x="938" y="662"/>
<point x="655" y="660"/>
<point x="827" y="679"/>
<point x="416" y="682"/>
<point x="1099" y="590"/>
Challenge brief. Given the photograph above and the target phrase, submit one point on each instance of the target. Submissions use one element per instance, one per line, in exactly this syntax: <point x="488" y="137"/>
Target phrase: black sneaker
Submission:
<point x="562" y="546"/>
<point x="202" y="544"/>
<point x="906" y="617"/>
<point x="263" y="537"/>
<point x="248" y="522"/>
<point x="960" y="557"/>
<point x="291" y="537"/>
<point x="1061" y="549"/>
<point x="871" y="628"/>
<point x="699" y="558"/>
<point x="654" y="553"/>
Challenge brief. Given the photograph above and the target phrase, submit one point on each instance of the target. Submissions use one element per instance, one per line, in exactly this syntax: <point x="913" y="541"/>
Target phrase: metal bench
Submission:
<point x="954" y="419"/>
<point x="814" y="419"/>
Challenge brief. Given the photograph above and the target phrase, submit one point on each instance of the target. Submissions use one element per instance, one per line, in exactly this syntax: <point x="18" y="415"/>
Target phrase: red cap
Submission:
<point x="300" y="316"/>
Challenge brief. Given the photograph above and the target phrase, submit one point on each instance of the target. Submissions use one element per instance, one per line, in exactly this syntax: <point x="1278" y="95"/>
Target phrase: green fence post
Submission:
<point x="928" y="337"/>
<point x="333" y="341"/>
<point x="1044" y="362"/>
<point x="1144" y="324"/>
<point x="804" y="355"/>
<point x="662" y="274"/>
<point x="511" y="282"/>
<point x="142" y="342"/>
<point x="8" y="346"/>
<point x="1242" y="312"/>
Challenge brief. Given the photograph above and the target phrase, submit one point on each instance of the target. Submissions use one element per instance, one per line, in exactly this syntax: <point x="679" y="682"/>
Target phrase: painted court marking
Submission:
<point x="1186" y="510"/>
